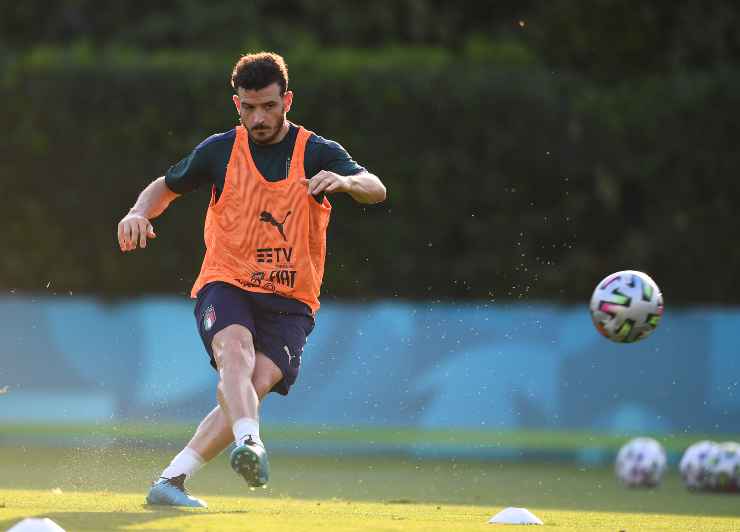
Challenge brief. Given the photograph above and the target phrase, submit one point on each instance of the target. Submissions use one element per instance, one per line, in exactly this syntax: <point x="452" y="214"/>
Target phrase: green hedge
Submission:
<point x="602" y="39"/>
<point x="505" y="180"/>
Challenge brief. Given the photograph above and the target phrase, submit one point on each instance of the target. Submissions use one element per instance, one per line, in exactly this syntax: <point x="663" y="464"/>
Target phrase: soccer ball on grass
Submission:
<point x="641" y="462"/>
<point x="694" y="464"/>
<point x="723" y="467"/>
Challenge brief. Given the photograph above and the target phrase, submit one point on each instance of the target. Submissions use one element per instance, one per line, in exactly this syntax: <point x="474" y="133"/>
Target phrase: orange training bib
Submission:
<point x="265" y="236"/>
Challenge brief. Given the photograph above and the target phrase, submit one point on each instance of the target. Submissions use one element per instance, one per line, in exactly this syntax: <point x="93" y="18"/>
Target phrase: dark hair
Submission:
<point x="257" y="71"/>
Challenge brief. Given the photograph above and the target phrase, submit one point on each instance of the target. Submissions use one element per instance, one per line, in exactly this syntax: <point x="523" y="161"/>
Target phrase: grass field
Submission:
<point x="103" y="489"/>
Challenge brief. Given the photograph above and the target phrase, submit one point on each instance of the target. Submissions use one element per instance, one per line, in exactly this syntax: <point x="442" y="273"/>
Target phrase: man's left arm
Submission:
<point x="333" y="170"/>
<point x="364" y="187"/>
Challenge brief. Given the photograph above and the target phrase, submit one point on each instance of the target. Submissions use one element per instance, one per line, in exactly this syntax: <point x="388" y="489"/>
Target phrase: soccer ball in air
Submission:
<point x="723" y="467"/>
<point x="694" y="464"/>
<point x="626" y="306"/>
<point x="641" y="462"/>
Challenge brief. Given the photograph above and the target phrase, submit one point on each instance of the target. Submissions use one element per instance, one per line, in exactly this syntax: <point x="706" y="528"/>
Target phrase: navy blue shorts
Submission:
<point x="279" y="325"/>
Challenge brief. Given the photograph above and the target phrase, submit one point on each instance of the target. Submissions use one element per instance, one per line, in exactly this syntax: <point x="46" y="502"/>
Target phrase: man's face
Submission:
<point x="263" y="111"/>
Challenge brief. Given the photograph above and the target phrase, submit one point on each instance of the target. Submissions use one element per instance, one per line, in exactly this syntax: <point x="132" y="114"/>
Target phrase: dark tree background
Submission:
<point x="529" y="148"/>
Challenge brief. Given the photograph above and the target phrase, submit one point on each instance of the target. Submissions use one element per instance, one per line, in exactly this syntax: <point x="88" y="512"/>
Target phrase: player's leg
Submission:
<point x="281" y="336"/>
<point x="213" y="435"/>
<point x="249" y="457"/>
<point x="233" y="351"/>
<point x="220" y="306"/>
<point x="266" y="375"/>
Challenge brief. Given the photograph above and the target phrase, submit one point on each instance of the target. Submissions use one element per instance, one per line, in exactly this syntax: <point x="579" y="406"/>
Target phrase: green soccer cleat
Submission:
<point x="250" y="461"/>
<point x="172" y="492"/>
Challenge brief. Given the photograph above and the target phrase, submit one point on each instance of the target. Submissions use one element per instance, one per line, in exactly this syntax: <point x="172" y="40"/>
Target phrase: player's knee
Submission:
<point x="236" y="358"/>
<point x="266" y="375"/>
<point x="235" y="352"/>
<point x="263" y="384"/>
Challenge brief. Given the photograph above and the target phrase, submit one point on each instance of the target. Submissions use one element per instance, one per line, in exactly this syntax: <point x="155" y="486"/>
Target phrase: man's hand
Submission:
<point x="133" y="230"/>
<point x="328" y="182"/>
<point x="364" y="187"/>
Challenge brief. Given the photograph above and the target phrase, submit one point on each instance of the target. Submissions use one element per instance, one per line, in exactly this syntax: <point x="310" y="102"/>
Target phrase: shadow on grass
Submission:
<point x="98" y="521"/>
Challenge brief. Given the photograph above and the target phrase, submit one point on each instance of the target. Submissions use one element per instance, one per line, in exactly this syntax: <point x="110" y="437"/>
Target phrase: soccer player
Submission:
<point x="265" y="234"/>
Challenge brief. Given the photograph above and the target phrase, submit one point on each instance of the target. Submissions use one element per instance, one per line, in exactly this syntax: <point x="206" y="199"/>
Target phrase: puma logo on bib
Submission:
<point x="269" y="218"/>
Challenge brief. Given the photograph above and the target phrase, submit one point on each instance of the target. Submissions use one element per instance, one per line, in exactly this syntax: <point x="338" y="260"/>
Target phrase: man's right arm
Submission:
<point x="135" y="227"/>
<point x="189" y="174"/>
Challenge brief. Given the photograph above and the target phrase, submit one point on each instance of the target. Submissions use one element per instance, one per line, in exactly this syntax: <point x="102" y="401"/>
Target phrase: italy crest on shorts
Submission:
<point x="209" y="318"/>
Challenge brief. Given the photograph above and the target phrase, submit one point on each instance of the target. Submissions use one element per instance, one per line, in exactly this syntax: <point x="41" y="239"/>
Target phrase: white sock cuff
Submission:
<point x="187" y="451"/>
<point x="186" y="462"/>
<point x="244" y="427"/>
